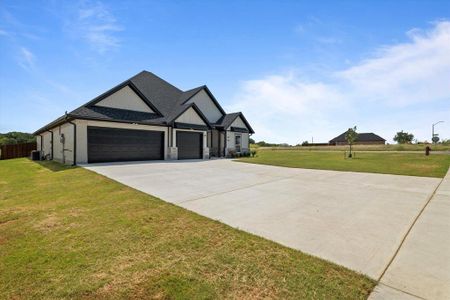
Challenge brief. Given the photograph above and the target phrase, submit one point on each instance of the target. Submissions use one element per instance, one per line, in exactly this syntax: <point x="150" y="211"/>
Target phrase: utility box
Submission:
<point x="35" y="155"/>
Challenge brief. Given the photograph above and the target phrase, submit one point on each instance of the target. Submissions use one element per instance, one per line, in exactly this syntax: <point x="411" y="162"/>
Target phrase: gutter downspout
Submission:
<point x="218" y="142"/>
<point x="225" y="144"/>
<point x="40" y="152"/>
<point x="74" y="141"/>
<point x="52" y="142"/>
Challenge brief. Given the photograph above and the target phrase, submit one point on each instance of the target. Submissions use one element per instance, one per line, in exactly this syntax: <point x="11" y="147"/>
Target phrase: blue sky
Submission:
<point x="297" y="69"/>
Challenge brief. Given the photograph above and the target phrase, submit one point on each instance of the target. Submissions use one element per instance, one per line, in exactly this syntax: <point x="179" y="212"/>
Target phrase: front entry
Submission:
<point x="190" y="145"/>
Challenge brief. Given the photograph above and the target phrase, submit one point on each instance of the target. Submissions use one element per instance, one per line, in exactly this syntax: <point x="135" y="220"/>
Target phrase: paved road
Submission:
<point x="354" y="219"/>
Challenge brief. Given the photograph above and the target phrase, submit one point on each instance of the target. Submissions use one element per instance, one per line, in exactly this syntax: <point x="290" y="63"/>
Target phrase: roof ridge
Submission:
<point x="157" y="77"/>
<point x="196" y="88"/>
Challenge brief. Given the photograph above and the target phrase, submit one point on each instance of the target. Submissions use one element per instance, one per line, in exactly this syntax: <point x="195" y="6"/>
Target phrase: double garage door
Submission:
<point x="114" y="144"/>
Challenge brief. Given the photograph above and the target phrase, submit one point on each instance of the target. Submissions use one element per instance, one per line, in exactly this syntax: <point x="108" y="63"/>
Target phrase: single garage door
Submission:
<point x="113" y="144"/>
<point x="189" y="145"/>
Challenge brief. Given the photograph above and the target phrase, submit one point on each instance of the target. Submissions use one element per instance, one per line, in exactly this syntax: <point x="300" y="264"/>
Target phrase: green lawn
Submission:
<point x="70" y="233"/>
<point x="387" y="147"/>
<point x="415" y="164"/>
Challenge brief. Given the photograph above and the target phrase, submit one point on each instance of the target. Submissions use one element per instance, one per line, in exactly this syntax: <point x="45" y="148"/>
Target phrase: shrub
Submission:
<point x="232" y="153"/>
<point x="253" y="153"/>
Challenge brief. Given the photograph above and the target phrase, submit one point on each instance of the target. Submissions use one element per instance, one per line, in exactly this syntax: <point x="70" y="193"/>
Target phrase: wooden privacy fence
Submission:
<point x="16" y="150"/>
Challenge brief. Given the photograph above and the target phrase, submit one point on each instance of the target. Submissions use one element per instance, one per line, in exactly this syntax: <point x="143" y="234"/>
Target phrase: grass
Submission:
<point x="70" y="233"/>
<point x="400" y="163"/>
<point x="388" y="147"/>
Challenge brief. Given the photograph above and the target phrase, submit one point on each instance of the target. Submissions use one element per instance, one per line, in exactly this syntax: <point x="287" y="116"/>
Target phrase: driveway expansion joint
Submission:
<point x="402" y="291"/>
<point x="409" y="230"/>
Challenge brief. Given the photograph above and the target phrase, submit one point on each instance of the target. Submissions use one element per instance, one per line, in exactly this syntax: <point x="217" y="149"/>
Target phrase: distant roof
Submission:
<point x="362" y="137"/>
<point x="166" y="100"/>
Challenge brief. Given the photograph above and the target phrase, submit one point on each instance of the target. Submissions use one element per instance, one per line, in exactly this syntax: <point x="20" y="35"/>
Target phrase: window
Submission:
<point x="237" y="143"/>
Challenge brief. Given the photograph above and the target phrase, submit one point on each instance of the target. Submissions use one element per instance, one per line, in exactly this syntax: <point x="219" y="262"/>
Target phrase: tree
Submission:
<point x="403" y="137"/>
<point x="305" y="143"/>
<point x="351" y="137"/>
<point x="15" y="137"/>
<point x="251" y="141"/>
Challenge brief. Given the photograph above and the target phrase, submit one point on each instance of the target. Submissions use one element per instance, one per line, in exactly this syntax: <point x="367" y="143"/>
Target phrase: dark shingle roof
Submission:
<point x="159" y="92"/>
<point x="188" y="94"/>
<point x="115" y="114"/>
<point x="362" y="137"/>
<point x="228" y="119"/>
<point x="162" y="97"/>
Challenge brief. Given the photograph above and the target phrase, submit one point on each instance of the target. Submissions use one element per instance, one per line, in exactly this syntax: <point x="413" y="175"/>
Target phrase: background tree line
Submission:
<point x="15" y="137"/>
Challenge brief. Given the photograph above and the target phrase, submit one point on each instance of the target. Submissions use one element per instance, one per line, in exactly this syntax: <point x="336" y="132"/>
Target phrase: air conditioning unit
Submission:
<point x="35" y="155"/>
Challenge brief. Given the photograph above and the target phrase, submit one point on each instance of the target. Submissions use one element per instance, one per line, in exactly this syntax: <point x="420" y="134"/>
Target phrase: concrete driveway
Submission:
<point x="421" y="268"/>
<point x="354" y="219"/>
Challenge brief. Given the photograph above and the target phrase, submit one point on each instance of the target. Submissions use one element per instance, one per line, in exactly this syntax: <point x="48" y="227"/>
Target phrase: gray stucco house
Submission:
<point x="145" y="118"/>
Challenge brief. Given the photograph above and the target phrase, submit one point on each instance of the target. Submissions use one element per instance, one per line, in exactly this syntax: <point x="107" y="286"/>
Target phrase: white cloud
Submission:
<point x="95" y="24"/>
<point x="26" y="59"/>
<point x="413" y="72"/>
<point x="282" y="106"/>
<point x="372" y="94"/>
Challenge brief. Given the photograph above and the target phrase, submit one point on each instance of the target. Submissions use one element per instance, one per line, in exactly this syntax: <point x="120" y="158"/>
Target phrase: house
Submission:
<point x="145" y="118"/>
<point x="362" y="139"/>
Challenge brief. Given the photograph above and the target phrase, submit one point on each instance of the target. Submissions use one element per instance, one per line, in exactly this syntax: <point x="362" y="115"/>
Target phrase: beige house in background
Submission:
<point x="145" y="118"/>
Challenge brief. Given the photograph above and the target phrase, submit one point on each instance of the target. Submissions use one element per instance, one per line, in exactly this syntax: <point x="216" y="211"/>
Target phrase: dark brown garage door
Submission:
<point x="189" y="144"/>
<point x="113" y="144"/>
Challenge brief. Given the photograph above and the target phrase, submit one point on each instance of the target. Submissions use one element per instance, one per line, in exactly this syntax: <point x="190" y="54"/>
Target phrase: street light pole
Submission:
<point x="432" y="130"/>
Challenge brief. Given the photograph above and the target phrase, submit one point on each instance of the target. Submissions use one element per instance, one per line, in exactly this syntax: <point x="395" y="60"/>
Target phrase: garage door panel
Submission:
<point x="114" y="144"/>
<point x="189" y="144"/>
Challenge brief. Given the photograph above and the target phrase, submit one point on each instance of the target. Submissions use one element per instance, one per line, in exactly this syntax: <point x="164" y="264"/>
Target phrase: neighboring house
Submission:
<point x="362" y="139"/>
<point x="145" y="118"/>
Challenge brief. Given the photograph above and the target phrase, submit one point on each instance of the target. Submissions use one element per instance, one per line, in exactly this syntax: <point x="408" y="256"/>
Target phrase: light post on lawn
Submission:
<point x="432" y="131"/>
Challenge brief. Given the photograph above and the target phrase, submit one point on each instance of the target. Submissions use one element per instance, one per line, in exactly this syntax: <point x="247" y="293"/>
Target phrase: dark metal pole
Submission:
<point x="432" y="131"/>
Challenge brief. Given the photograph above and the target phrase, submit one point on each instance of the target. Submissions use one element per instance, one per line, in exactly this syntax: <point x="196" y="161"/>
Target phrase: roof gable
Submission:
<point x="238" y="123"/>
<point x="228" y="120"/>
<point x="206" y="102"/>
<point x="190" y="116"/>
<point x="125" y="98"/>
